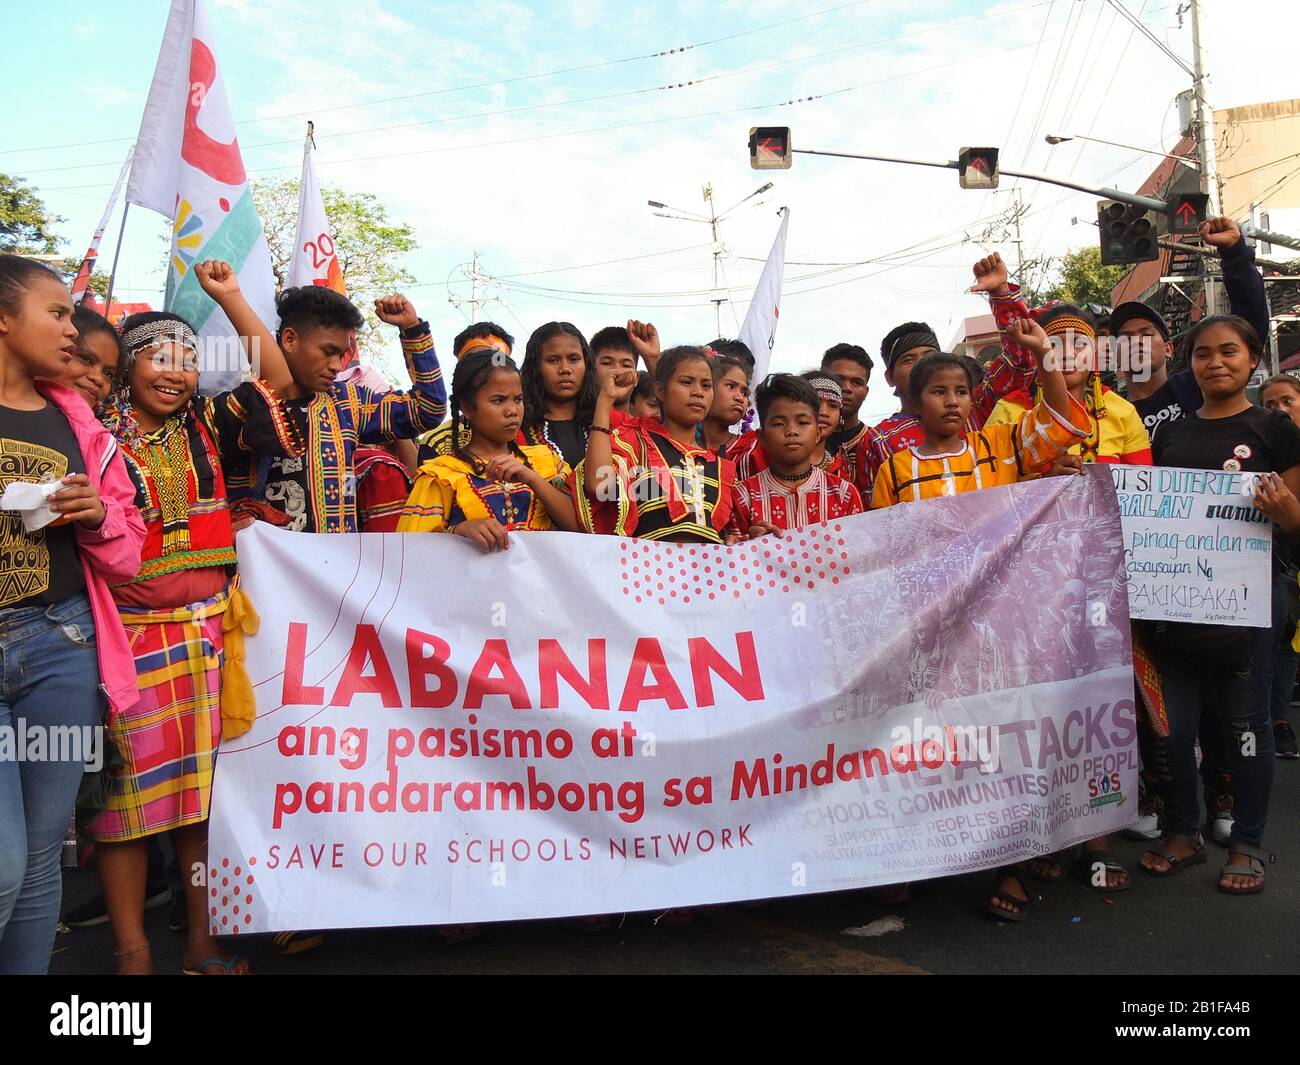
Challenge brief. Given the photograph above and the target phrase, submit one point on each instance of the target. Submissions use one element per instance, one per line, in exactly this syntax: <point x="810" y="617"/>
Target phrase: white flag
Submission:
<point x="81" y="283"/>
<point x="759" y="330"/>
<point x="188" y="168"/>
<point x="315" y="261"/>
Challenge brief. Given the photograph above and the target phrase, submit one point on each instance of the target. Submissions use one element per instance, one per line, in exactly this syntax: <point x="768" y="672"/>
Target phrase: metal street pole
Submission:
<point x="1145" y="202"/>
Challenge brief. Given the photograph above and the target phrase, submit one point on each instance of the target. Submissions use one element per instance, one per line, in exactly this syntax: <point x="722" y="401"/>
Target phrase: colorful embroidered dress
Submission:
<point x="450" y="490"/>
<point x="173" y="614"/>
<point x="992" y="456"/>
<point x="1014" y="369"/>
<point x="303" y="451"/>
<point x="660" y="489"/>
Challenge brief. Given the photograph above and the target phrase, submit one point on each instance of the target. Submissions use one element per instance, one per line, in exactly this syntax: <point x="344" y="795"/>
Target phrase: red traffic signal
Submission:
<point x="977" y="168"/>
<point x="769" y="148"/>
<point x="1187" y="212"/>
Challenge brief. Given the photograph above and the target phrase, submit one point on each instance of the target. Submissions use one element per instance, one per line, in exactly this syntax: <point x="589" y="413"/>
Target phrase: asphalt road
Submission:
<point x="1182" y="925"/>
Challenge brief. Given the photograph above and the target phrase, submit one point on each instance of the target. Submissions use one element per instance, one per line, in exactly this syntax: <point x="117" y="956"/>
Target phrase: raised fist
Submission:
<point x="990" y="274"/>
<point x="396" y="310"/>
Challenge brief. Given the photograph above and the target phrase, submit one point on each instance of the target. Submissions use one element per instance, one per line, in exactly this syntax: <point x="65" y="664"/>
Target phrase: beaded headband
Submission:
<point x="827" y="388"/>
<point x="142" y="336"/>
<point x="1068" y="323"/>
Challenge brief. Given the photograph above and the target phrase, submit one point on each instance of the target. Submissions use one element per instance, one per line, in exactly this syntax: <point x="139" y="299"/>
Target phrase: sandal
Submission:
<point x="1254" y="867"/>
<point x="1063" y="860"/>
<point x="1021" y="906"/>
<point x="1087" y="871"/>
<point x="228" y="964"/>
<point x="1164" y="851"/>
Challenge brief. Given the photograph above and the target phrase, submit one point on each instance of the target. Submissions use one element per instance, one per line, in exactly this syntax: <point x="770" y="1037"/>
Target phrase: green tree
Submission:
<point x="1077" y="277"/>
<point x="368" y="244"/>
<point x="25" y="224"/>
<point x="98" y="281"/>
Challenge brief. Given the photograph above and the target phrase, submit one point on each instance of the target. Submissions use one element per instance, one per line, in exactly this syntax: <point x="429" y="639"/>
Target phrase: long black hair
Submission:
<point x="473" y="372"/>
<point x="531" y="373"/>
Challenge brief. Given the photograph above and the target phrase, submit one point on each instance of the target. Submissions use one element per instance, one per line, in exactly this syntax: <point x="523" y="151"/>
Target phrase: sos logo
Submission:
<point x="1103" y="785"/>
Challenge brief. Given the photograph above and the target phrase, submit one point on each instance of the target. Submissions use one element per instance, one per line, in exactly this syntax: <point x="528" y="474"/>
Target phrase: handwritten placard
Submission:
<point x="1195" y="547"/>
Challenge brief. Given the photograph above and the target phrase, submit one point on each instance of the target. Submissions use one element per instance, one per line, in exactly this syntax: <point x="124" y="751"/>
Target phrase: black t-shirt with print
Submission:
<point x="1254" y="441"/>
<point x="288" y="485"/>
<point x="41" y="567"/>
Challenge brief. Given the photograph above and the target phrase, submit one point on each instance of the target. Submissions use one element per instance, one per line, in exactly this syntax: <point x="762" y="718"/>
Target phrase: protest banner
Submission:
<point x="1195" y="547"/>
<point x="596" y="725"/>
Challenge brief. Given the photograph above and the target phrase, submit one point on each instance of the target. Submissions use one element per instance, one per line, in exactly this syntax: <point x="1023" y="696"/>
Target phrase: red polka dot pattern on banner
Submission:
<point x="232" y="907"/>
<point x="666" y="574"/>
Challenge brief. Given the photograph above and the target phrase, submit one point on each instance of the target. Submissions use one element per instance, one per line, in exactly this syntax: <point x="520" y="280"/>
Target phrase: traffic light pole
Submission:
<point x="1145" y="202"/>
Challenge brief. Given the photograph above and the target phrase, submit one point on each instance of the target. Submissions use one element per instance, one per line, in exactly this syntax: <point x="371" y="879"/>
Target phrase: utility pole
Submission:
<point x="715" y="295"/>
<point x="474" y="275"/>
<point x="1204" y="118"/>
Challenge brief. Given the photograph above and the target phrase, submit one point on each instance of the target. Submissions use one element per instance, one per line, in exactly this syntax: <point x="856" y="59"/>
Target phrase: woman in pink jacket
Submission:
<point x="63" y="651"/>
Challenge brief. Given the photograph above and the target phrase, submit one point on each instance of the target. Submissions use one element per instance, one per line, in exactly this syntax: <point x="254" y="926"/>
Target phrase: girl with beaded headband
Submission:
<point x="1115" y="435"/>
<point x="490" y="485"/>
<point x="60" y="637"/>
<point x="186" y="618"/>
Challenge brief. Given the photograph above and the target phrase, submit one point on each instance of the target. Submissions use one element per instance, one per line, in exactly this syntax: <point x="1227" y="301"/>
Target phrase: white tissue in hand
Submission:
<point x="32" y="501"/>
<point x="1248" y="482"/>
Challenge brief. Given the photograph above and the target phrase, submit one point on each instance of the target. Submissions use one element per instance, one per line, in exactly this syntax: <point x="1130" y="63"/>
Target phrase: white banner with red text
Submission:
<point x="585" y="725"/>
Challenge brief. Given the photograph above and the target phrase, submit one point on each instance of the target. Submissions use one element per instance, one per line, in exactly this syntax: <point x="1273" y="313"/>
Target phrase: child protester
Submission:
<point x="477" y="336"/>
<point x="905" y="345"/>
<point x="950" y="459"/>
<point x="64" y="648"/>
<point x="492" y="486"/>
<point x="99" y="352"/>
<point x="560" y="388"/>
<point x="730" y="402"/>
<point x="643" y="403"/>
<point x="830" y="403"/>
<point x="792" y="492"/>
<point x="1283" y="393"/>
<point x="301" y="443"/>
<point x="652" y="479"/>
<point x="1116" y="435"/>
<point x="1234" y="664"/>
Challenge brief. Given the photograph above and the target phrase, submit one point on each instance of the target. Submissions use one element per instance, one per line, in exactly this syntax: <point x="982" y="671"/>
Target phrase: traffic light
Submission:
<point x="769" y="147"/>
<point x="1187" y="212"/>
<point x="1127" y="234"/>
<point x="977" y="168"/>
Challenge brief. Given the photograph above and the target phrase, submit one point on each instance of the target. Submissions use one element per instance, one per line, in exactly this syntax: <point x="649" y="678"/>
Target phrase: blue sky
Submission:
<point x="560" y="215"/>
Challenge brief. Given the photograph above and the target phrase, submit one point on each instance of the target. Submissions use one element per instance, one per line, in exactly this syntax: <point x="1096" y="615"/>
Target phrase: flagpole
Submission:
<point x="112" y="274"/>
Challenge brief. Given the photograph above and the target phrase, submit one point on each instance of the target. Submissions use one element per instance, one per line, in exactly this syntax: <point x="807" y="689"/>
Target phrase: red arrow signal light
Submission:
<point x="1187" y="212"/>
<point x="769" y="148"/>
<point x="977" y="168"/>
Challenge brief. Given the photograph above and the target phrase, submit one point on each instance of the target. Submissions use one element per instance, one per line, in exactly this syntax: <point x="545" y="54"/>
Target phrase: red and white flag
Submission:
<point x="81" y="283"/>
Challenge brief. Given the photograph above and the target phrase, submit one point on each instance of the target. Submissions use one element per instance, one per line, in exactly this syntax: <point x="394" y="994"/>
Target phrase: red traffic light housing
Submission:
<point x="769" y="148"/>
<point x="977" y="168"/>
<point x="1187" y="212"/>
<point x="1127" y="235"/>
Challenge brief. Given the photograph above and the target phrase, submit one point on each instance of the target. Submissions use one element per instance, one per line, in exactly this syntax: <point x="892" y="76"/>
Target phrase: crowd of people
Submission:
<point x="127" y="608"/>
